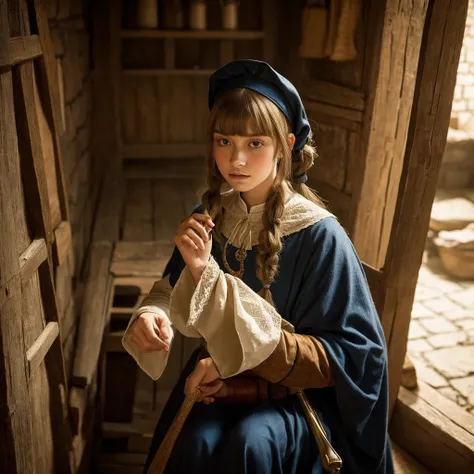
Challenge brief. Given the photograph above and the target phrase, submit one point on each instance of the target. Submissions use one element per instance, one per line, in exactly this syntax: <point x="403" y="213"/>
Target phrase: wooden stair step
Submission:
<point x="405" y="463"/>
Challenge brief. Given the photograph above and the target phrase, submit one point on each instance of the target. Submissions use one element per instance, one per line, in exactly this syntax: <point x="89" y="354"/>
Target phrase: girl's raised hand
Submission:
<point x="194" y="241"/>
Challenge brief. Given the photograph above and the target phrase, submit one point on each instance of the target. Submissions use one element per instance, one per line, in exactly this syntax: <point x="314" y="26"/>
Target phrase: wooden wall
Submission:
<point x="359" y="111"/>
<point x="71" y="38"/>
<point x="164" y="77"/>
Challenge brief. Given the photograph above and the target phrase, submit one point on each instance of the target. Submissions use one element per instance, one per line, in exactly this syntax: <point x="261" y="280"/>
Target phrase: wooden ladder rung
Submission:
<point x="24" y="48"/>
<point x="37" y="352"/>
<point x="32" y="258"/>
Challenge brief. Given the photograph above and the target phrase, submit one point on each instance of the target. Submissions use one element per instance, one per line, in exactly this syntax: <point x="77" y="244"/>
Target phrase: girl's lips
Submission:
<point x="239" y="176"/>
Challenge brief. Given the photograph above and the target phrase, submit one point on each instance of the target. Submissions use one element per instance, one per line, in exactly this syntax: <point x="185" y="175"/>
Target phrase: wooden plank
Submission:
<point x="138" y="215"/>
<point x="334" y="111"/>
<point x="169" y="53"/>
<point x="106" y="144"/>
<point x="47" y="67"/>
<point x="409" y="380"/>
<point x="166" y="150"/>
<point x="37" y="352"/>
<point x="385" y="130"/>
<point x="93" y="314"/>
<point x="424" y="152"/>
<point x="32" y="258"/>
<point x="16" y="443"/>
<point x="423" y="430"/>
<point x="319" y="115"/>
<point x="113" y="342"/>
<point x="226" y="51"/>
<point x="141" y="259"/>
<point x="107" y="223"/>
<point x="270" y="31"/>
<point x="62" y="242"/>
<point x="167" y="72"/>
<point x="330" y="93"/>
<point x="183" y="34"/>
<point x="5" y="53"/>
<point x="36" y="188"/>
<point x="25" y="48"/>
<point x="404" y="463"/>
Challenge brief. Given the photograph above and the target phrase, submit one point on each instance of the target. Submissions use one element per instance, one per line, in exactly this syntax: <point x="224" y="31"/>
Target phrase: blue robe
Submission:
<point x="322" y="290"/>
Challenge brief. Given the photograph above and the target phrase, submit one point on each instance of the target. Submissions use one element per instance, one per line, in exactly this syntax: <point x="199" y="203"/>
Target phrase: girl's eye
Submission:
<point x="223" y="141"/>
<point x="256" y="144"/>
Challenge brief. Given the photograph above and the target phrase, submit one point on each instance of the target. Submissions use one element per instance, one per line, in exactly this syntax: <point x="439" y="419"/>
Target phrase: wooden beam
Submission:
<point x="32" y="258"/>
<point x="424" y="423"/>
<point x="16" y="452"/>
<point x="48" y="70"/>
<point x="334" y="94"/>
<point x="385" y="128"/>
<point x="440" y="51"/>
<point x="33" y="170"/>
<point x="93" y="315"/>
<point x="25" y="48"/>
<point x="107" y="221"/>
<point x="334" y="111"/>
<point x="62" y="241"/>
<point x="106" y="141"/>
<point x="201" y="34"/>
<point x="5" y="53"/>
<point x="171" y="150"/>
<point x="37" y="352"/>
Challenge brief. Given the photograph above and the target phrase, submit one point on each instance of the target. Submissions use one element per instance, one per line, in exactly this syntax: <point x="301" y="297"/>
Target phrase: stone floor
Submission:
<point x="441" y="338"/>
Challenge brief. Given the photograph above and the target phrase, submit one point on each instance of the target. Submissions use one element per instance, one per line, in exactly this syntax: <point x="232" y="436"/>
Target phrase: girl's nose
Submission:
<point x="238" y="159"/>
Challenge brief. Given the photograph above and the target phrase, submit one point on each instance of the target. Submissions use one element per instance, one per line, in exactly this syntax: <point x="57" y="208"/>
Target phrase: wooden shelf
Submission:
<point x="167" y="72"/>
<point x="194" y="34"/>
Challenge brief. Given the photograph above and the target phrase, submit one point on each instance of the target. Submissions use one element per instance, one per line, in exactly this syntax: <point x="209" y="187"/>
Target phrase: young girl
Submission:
<point x="271" y="282"/>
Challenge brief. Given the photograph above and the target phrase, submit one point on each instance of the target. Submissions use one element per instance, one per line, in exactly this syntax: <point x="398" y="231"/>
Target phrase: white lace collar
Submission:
<point x="242" y="227"/>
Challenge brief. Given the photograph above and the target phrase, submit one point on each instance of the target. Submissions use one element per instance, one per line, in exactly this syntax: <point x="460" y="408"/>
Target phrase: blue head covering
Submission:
<point x="262" y="78"/>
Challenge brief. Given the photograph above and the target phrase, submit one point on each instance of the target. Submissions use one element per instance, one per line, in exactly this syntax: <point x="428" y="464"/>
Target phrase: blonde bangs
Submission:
<point x="244" y="112"/>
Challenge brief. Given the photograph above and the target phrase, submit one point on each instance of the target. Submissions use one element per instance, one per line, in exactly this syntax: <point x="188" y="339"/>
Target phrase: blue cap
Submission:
<point x="262" y="78"/>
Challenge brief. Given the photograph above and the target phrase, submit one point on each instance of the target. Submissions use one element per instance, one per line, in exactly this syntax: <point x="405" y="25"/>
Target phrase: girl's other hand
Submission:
<point x="151" y="332"/>
<point x="202" y="378"/>
<point x="194" y="242"/>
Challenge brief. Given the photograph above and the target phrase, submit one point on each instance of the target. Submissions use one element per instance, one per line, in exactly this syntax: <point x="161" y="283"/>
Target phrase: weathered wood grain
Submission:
<point x="386" y="127"/>
<point x="93" y="315"/>
<point x="138" y="215"/>
<point x="25" y="48"/>
<point x="32" y="258"/>
<point x="421" y="426"/>
<point x="63" y="240"/>
<point x="423" y="156"/>
<point x="37" y="352"/>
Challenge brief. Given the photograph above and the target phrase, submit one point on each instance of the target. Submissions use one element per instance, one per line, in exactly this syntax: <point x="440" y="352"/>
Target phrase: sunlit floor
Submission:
<point x="441" y="338"/>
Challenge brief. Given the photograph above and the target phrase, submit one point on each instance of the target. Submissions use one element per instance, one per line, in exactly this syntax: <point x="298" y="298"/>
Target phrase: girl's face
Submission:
<point x="247" y="163"/>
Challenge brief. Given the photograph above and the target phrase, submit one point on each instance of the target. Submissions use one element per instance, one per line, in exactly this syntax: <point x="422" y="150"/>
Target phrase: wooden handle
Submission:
<point x="160" y="460"/>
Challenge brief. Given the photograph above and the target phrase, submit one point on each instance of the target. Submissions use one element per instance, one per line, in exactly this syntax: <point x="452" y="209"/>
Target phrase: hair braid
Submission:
<point x="270" y="244"/>
<point x="211" y="199"/>
<point x="301" y="163"/>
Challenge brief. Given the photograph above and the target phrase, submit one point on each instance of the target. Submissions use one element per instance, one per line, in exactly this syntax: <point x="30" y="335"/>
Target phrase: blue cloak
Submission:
<point x="322" y="290"/>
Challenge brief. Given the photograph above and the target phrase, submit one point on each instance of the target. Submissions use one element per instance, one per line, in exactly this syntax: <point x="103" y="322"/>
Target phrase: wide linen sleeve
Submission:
<point x="241" y="329"/>
<point x="157" y="301"/>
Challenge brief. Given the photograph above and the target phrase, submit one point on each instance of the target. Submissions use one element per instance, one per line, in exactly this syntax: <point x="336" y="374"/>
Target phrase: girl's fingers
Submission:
<point x="149" y="331"/>
<point x="186" y="240"/>
<point x="208" y="400"/>
<point x="196" y="226"/>
<point x="203" y="218"/>
<point x="198" y="242"/>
